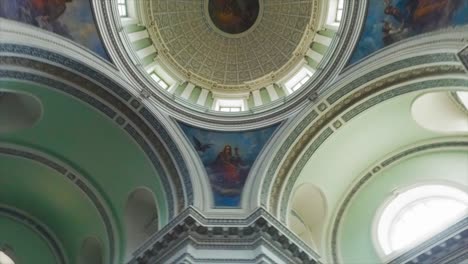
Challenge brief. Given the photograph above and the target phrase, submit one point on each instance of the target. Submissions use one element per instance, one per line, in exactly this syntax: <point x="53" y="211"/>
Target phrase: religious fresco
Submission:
<point x="72" y="19"/>
<point x="227" y="158"/>
<point x="233" y="16"/>
<point x="389" y="21"/>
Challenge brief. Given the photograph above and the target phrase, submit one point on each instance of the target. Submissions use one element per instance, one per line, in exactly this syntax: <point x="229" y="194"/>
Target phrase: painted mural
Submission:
<point x="389" y="21"/>
<point x="228" y="158"/>
<point x="233" y="16"/>
<point x="72" y="19"/>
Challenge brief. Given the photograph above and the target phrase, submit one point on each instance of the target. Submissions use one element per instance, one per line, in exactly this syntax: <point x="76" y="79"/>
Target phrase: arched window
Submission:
<point x="417" y="214"/>
<point x="141" y="218"/>
<point x="91" y="252"/>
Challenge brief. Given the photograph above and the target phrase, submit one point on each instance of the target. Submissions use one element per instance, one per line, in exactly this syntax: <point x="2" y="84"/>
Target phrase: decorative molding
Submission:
<point x="260" y="228"/>
<point x="378" y="168"/>
<point x="49" y="237"/>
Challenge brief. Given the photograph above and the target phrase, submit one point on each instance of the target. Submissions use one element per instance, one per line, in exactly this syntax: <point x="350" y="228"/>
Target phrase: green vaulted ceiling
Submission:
<point x="90" y="145"/>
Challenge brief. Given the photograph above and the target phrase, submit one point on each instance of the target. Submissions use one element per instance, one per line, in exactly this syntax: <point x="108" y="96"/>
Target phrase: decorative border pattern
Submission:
<point x="97" y="91"/>
<point x="40" y="228"/>
<point x="377" y="169"/>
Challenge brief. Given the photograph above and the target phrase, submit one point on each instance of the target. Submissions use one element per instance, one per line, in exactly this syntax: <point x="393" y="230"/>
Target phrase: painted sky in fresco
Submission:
<point x="389" y="21"/>
<point x="228" y="158"/>
<point x="72" y="19"/>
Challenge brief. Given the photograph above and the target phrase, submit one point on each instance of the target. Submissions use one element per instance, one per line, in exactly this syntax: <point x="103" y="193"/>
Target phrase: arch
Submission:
<point x="307" y="214"/>
<point x="141" y="218"/>
<point x="18" y="111"/>
<point x="91" y="252"/>
<point x="439" y="112"/>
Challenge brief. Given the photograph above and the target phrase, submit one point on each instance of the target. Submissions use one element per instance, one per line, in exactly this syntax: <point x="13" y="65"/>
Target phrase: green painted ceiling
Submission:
<point x="28" y="246"/>
<point x="353" y="150"/>
<point x="51" y="198"/>
<point x="91" y="144"/>
<point x="359" y="143"/>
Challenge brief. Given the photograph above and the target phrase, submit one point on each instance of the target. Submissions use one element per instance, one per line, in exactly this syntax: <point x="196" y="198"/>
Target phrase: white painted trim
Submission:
<point x="202" y="97"/>
<point x="187" y="91"/>
<point x="314" y="55"/>
<point x="146" y="51"/>
<point x="322" y="40"/>
<point x="272" y="92"/>
<point x="139" y="35"/>
<point x="257" y="98"/>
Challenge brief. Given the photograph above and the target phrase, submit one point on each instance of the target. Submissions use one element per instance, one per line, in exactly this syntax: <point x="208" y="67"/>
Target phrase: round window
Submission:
<point x="418" y="213"/>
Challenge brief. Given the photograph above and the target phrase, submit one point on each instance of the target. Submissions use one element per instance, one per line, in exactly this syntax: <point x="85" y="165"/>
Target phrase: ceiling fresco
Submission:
<point x="72" y="19"/>
<point x="227" y="158"/>
<point x="390" y="21"/>
<point x="233" y="16"/>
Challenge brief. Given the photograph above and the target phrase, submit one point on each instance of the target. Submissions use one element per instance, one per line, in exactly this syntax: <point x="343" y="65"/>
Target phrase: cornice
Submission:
<point x="259" y="227"/>
<point x="109" y="25"/>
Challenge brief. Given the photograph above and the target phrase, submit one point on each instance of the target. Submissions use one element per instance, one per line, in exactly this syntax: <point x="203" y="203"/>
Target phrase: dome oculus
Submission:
<point x="233" y="16"/>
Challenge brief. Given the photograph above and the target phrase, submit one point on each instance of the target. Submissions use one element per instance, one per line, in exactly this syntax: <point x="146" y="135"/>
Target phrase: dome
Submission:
<point x="242" y="53"/>
<point x="191" y="41"/>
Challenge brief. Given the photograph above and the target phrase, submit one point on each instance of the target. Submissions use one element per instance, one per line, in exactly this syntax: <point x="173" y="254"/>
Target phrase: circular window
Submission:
<point x="5" y="259"/>
<point x="416" y="214"/>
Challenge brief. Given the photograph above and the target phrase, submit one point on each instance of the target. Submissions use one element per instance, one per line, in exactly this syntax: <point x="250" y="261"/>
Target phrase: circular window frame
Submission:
<point x="385" y="257"/>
